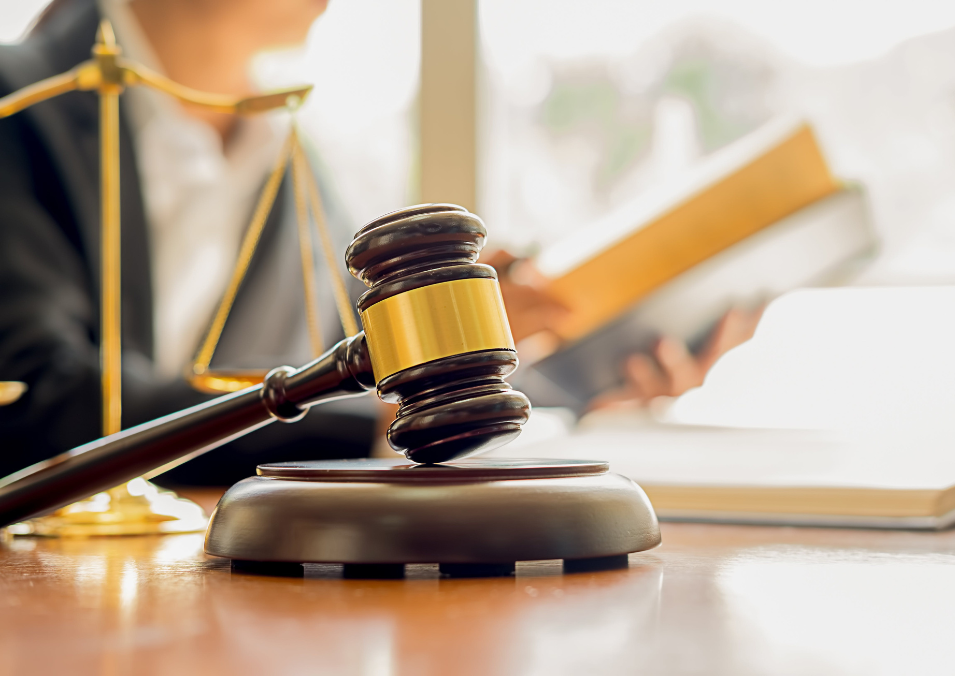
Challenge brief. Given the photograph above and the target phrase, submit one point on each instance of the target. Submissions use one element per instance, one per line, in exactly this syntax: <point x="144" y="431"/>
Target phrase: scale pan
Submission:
<point x="223" y="381"/>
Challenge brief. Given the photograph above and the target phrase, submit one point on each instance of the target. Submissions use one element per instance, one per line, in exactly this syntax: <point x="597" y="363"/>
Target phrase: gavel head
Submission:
<point x="437" y="333"/>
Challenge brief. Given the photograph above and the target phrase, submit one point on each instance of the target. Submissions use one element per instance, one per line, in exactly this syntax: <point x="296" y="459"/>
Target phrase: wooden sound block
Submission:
<point x="476" y="512"/>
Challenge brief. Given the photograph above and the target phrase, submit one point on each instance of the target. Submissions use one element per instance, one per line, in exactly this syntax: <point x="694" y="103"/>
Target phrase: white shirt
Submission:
<point x="198" y="198"/>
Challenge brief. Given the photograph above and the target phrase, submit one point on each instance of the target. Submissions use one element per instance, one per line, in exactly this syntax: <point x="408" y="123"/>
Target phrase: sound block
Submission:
<point x="474" y="512"/>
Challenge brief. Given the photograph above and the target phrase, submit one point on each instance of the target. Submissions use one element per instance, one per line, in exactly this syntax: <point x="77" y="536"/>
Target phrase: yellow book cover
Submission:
<point x="603" y="270"/>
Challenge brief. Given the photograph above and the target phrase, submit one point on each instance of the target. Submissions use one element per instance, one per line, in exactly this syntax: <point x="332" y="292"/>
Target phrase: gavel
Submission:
<point x="436" y="341"/>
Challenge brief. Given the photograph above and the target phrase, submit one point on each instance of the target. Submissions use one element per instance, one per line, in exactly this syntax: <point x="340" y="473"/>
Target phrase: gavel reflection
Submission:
<point x="436" y="342"/>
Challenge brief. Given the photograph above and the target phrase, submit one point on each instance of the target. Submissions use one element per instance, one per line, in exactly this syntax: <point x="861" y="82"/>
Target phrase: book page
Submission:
<point x="706" y="456"/>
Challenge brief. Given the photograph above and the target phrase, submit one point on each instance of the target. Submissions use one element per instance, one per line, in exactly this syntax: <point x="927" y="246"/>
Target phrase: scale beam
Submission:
<point x="135" y="74"/>
<point x="43" y="90"/>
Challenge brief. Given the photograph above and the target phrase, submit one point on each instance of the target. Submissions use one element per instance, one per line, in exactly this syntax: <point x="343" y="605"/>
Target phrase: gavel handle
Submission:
<point x="159" y="445"/>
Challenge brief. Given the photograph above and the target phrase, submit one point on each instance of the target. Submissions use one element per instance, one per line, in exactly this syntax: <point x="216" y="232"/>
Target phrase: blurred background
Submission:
<point x="577" y="107"/>
<point x="593" y="102"/>
<point x="548" y="117"/>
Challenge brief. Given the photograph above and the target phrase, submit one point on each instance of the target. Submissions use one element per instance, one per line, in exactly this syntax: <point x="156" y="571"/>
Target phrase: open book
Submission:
<point x="838" y="412"/>
<point x="775" y="476"/>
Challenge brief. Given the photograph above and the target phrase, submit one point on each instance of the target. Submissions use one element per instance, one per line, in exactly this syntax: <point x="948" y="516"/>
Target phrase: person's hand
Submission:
<point x="672" y="369"/>
<point x="530" y="311"/>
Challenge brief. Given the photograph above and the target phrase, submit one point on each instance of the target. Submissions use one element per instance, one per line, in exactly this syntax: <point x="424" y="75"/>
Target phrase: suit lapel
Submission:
<point x="69" y="127"/>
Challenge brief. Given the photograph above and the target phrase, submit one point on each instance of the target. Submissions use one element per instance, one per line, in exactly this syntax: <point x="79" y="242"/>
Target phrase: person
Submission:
<point x="189" y="180"/>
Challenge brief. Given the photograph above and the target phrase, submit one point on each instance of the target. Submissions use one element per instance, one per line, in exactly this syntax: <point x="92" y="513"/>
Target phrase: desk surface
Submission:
<point x="710" y="600"/>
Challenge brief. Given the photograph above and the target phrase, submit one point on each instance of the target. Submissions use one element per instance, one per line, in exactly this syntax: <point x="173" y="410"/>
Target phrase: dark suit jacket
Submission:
<point x="49" y="284"/>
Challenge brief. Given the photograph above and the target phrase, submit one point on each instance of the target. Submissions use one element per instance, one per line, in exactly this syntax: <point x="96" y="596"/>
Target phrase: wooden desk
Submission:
<point x="710" y="600"/>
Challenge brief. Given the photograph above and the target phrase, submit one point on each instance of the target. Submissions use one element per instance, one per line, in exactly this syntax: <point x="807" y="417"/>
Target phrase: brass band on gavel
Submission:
<point x="433" y="322"/>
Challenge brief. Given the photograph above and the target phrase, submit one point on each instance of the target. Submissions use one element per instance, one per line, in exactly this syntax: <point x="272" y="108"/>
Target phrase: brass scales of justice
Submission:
<point x="436" y="341"/>
<point x="141" y="508"/>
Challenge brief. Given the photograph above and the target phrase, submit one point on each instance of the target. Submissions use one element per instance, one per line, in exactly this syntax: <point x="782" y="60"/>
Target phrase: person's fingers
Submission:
<point x="726" y="334"/>
<point x="672" y="372"/>
<point x="528" y="321"/>
<point x="529" y="307"/>
<point x="754" y="316"/>
<point x="537" y="346"/>
<point x="528" y="316"/>
<point x="680" y="367"/>
<point x="644" y="377"/>
<point x="530" y="310"/>
<point x="643" y="382"/>
<point x="735" y="328"/>
<point x="675" y="369"/>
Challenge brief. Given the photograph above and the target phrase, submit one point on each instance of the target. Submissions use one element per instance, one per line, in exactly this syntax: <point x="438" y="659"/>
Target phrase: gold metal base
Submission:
<point x="480" y="511"/>
<point x="136" y="508"/>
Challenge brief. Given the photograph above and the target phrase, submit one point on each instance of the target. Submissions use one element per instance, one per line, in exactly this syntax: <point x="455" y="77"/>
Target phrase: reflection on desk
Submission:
<point x="713" y="599"/>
